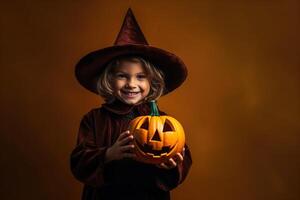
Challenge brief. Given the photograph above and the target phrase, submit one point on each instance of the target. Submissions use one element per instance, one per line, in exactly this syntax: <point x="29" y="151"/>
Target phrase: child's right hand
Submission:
<point x="122" y="148"/>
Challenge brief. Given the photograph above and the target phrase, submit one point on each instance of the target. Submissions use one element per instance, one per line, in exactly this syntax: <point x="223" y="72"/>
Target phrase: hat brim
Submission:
<point x="89" y="68"/>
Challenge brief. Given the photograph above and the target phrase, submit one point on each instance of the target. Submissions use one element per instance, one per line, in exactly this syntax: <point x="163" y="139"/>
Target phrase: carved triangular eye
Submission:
<point x="167" y="126"/>
<point x="145" y="124"/>
<point x="156" y="136"/>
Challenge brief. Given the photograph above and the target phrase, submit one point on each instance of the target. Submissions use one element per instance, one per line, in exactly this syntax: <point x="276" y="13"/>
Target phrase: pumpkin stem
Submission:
<point x="154" y="109"/>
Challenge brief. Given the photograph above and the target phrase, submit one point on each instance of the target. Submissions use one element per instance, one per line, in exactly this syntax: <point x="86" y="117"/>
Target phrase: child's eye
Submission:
<point x="141" y="76"/>
<point x="121" y="76"/>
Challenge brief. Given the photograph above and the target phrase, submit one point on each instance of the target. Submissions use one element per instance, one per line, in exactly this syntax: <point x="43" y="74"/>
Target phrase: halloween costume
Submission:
<point x="123" y="179"/>
<point x="100" y="128"/>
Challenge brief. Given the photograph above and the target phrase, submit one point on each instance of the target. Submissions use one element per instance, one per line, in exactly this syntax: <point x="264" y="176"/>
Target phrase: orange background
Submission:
<point x="240" y="105"/>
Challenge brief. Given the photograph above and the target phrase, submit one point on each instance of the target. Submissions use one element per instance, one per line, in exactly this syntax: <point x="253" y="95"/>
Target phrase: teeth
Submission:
<point x="130" y="93"/>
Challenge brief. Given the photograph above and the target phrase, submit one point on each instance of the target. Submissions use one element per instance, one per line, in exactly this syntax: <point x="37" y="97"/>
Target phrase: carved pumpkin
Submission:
<point x="156" y="138"/>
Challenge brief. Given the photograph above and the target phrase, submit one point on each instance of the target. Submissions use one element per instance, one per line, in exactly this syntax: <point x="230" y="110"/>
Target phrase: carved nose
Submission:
<point x="156" y="137"/>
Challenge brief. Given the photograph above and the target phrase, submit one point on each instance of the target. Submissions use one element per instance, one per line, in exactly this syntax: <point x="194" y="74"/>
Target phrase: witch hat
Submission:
<point x="132" y="42"/>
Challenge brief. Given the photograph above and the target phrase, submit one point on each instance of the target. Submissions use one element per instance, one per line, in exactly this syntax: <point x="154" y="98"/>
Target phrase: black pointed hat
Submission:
<point x="130" y="41"/>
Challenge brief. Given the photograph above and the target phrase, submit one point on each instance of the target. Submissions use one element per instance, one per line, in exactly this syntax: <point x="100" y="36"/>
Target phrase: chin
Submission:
<point x="132" y="102"/>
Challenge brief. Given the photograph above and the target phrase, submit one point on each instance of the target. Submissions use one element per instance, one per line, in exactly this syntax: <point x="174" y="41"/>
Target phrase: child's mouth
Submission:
<point x="130" y="94"/>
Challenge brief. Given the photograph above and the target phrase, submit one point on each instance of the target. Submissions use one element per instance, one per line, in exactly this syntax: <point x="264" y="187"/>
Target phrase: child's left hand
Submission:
<point x="172" y="162"/>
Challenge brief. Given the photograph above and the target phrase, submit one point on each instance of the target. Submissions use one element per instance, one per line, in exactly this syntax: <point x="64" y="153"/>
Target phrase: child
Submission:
<point x="127" y="75"/>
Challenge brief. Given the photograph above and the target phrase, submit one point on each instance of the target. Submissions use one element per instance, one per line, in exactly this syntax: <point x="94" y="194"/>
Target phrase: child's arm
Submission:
<point x="167" y="178"/>
<point x="87" y="159"/>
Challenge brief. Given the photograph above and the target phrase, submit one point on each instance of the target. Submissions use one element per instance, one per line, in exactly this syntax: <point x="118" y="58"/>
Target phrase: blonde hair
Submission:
<point x="154" y="75"/>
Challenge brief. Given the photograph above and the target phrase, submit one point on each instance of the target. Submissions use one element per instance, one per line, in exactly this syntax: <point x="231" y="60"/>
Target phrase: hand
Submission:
<point x="172" y="162"/>
<point x="122" y="148"/>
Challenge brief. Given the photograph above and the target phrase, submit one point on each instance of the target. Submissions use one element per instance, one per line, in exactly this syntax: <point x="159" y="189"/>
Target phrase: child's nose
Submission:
<point x="131" y="83"/>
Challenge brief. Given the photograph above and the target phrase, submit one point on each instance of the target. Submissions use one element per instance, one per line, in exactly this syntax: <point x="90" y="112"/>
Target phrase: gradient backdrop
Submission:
<point x="240" y="105"/>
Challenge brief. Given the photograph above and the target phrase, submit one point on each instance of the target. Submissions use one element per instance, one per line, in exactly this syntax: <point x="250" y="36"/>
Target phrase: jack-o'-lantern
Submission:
<point x="156" y="138"/>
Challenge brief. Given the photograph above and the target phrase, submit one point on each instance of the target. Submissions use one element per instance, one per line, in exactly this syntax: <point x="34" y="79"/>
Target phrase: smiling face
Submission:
<point x="130" y="82"/>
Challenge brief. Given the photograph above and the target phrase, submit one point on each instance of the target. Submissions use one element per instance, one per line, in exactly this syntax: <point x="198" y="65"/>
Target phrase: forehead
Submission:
<point x="130" y="67"/>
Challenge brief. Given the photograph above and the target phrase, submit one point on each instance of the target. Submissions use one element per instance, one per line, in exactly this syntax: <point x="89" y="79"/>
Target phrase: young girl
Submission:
<point x="103" y="158"/>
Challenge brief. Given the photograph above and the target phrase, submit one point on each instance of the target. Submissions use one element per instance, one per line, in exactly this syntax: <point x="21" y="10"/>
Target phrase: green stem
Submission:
<point x="154" y="109"/>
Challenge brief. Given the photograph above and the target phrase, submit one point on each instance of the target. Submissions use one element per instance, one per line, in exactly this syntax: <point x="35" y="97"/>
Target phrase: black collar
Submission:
<point x="120" y="108"/>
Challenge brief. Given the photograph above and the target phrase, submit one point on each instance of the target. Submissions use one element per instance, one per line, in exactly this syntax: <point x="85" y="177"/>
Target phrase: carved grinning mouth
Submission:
<point x="149" y="149"/>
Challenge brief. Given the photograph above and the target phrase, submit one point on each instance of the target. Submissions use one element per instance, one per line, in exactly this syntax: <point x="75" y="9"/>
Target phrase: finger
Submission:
<point x="179" y="158"/>
<point x="125" y="140"/>
<point x="159" y="166"/>
<point x="127" y="147"/>
<point x="171" y="163"/>
<point x="124" y="134"/>
<point x="163" y="165"/>
<point x="129" y="155"/>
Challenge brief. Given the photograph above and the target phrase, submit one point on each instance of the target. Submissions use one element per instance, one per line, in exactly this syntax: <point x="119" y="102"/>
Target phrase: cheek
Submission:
<point x="117" y="84"/>
<point x="146" y="86"/>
